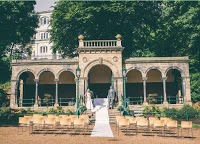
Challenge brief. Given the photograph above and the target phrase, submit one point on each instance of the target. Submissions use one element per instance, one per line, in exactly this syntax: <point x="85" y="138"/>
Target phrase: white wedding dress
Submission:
<point x="89" y="104"/>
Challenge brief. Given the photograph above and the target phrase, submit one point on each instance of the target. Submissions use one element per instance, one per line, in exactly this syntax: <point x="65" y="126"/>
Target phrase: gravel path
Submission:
<point x="8" y="135"/>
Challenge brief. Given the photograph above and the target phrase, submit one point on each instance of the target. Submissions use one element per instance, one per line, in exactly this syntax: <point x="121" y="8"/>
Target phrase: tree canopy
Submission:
<point x="148" y="28"/>
<point x="103" y="20"/>
<point x="178" y="33"/>
<point x="18" y="22"/>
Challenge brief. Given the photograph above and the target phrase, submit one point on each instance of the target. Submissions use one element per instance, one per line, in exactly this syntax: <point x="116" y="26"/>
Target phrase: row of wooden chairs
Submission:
<point x="53" y="123"/>
<point x="152" y="124"/>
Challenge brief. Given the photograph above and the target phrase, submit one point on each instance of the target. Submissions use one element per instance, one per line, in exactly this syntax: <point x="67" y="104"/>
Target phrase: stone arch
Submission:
<point x="25" y="70"/>
<point x="132" y="68"/>
<point x="104" y="62"/>
<point x="174" y="67"/>
<point x="43" y="70"/>
<point x="157" y="68"/>
<point x="68" y="70"/>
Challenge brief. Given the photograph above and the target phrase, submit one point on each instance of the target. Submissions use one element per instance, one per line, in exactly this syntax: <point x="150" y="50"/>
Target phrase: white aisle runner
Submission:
<point x="102" y="126"/>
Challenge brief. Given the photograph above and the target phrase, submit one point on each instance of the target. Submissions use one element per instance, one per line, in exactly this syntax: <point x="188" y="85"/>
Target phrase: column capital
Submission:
<point x="77" y="79"/>
<point x="144" y="78"/>
<point x="14" y="80"/>
<point x="185" y="77"/>
<point x="36" y="80"/>
<point x="84" y="78"/>
<point x="56" y="80"/>
<point x="164" y="78"/>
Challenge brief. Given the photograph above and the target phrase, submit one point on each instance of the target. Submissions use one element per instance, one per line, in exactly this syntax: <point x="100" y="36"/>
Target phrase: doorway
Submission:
<point x="100" y="80"/>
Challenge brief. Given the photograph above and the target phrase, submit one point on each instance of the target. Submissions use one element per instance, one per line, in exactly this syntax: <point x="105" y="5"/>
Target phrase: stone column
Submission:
<point x="115" y="85"/>
<point x="56" y="97"/>
<point x="13" y="97"/>
<point x="81" y="86"/>
<point x="86" y="83"/>
<point x="21" y="85"/>
<point x="144" y="90"/>
<point x="186" y="90"/>
<point x="120" y="89"/>
<point x="36" y="93"/>
<point x="165" y="103"/>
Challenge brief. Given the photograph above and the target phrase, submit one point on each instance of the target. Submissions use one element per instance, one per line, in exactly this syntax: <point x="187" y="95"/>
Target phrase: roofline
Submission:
<point x="49" y="11"/>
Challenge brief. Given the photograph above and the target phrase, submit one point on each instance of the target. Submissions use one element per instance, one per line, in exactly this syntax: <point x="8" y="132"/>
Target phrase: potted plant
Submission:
<point x="47" y="98"/>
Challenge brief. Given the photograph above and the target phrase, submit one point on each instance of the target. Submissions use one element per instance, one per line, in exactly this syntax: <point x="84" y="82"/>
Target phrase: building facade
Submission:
<point x="163" y="81"/>
<point x="42" y="47"/>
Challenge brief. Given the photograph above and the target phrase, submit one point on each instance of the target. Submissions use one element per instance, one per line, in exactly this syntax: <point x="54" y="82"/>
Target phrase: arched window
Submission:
<point x="40" y="49"/>
<point x="44" y="21"/>
<point x="47" y="35"/>
<point x="44" y="35"/>
<point x="40" y="21"/>
<point x="43" y="49"/>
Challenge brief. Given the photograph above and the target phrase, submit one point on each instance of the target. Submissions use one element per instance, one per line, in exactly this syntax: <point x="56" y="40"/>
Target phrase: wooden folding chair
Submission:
<point x="66" y="122"/>
<point x="143" y="124"/>
<point x="50" y="122"/>
<point x="186" y="125"/>
<point x="24" y="122"/>
<point x="38" y="123"/>
<point x="78" y="124"/>
<point x="132" y="122"/>
<point x="159" y="125"/>
<point x="122" y="123"/>
<point x="86" y="119"/>
<point x="152" y="120"/>
<point x="117" y="118"/>
<point x="165" y="119"/>
<point x="172" y="127"/>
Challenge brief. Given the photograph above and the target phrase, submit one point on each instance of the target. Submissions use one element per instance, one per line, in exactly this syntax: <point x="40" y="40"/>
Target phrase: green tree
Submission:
<point x="178" y="33"/>
<point x="135" y="21"/>
<point x="195" y="87"/>
<point x="18" y="22"/>
<point x="47" y="98"/>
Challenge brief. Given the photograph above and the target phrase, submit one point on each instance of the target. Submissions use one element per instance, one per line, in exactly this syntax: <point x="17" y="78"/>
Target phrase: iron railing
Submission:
<point x="155" y="100"/>
<point x="42" y="103"/>
<point x="67" y="101"/>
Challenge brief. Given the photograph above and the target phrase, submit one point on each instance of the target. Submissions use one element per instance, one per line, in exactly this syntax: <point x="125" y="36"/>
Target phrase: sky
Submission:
<point x="44" y="5"/>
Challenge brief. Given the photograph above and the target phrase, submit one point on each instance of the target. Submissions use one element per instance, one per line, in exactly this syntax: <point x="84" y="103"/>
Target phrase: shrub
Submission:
<point x="82" y="109"/>
<point x="171" y="113"/>
<point x="8" y="116"/>
<point x="151" y="100"/>
<point x="187" y="113"/>
<point x="46" y="99"/>
<point x="120" y="108"/>
<point x="153" y="111"/>
<point x="126" y="111"/>
<point x="69" y="112"/>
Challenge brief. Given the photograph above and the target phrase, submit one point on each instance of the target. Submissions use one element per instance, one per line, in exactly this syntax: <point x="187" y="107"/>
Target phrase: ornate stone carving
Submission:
<point x="100" y="60"/>
<point x="81" y="37"/>
<point x="118" y="37"/>
<point x="85" y="59"/>
<point x="115" y="59"/>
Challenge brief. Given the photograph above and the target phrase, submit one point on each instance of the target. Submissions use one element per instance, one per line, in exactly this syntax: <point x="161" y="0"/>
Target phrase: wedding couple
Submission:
<point x="111" y="98"/>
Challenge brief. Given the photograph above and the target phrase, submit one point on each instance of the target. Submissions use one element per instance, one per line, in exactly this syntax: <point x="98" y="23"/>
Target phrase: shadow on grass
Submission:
<point x="8" y="125"/>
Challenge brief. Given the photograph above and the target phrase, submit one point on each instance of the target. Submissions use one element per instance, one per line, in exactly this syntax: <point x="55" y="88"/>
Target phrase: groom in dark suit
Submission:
<point x="111" y="97"/>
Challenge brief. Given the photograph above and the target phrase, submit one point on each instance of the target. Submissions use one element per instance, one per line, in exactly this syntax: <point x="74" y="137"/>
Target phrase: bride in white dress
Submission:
<point x="89" y="104"/>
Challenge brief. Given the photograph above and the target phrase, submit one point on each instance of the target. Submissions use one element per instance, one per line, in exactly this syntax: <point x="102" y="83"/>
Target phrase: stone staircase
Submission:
<point x="137" y="109"/>
<point x="112" y="115"/>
